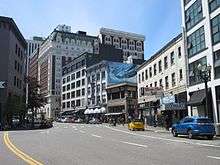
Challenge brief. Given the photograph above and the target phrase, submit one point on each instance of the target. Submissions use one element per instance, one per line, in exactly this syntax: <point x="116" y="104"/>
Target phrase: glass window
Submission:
<point x="68" y="78"/>
<point x="139" y="78"/>
<point x="215" y="28"/>
<point x="103" y="86"/>
<point x="196" y="42"/>
<point x="73" y="85"/>
<point x="172" y="58"/>
<point x="160" y="66"/>
<point x="78" y="93"/>
<point x="68" y="87"/>
<point x="193" y="14"/>
<point x="68" y="96"/>
<point x="179" y="52"/>
<point x="155" y="84"/>
<point x="142" y="76"/>
<point x="165" y="63"/>
<point x="213" y="4"/>
<point x="103" y="74"/>
<point x="64" y="88"/>
<point x="161" y="82"/>
<point x="166" y="82"/>
<point x="64" y="96"/>
<point x="193" y="71"/>
<point x="73" y="76"/>
<point x="155" y="69"/>
<point x="68" y="104"/>
<point x="78" y="83"/>
<point x="217" y="63"/>
<point x="173" y="79"/>
<point x="83" y="92"/>
<point x="78" y="74"/>
<point x="64" y="80"/>
<point x="83" y="82"/>
<point x="146" y="74"/>
<point x="181" y="74"/>
<point x="150" y="71"/>
<point x="83" y="72"/>
<point x="73" y="94"/>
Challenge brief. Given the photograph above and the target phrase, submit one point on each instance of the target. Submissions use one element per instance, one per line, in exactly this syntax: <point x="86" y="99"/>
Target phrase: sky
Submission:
<point x="158" y="20"/>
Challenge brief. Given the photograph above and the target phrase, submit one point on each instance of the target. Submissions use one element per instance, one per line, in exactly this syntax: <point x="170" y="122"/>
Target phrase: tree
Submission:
<point x="35" y="99"/>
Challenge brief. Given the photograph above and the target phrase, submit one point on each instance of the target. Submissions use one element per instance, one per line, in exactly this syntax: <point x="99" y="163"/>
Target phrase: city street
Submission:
<point x="81" y="144"/>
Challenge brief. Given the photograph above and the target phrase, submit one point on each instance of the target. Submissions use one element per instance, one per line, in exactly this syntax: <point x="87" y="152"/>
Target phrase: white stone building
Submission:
<point x="132" y="44"/>
<point x="164" y="73"/>
<point x="33" y="44"/>
<point x="59" y="48"/>
<point x="201" y="23"/>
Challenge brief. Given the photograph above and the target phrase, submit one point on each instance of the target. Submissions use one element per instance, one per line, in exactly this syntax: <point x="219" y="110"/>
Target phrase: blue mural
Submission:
<point x="121" y="72"/>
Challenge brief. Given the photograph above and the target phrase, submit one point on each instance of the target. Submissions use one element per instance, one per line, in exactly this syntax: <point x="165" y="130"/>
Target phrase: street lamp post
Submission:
<point x="205" y="76"/>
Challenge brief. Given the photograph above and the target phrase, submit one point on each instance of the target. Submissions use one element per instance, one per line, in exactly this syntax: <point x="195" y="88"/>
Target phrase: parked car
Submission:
<point x="94" y="121"/>
<point x="79" y="120"/>
<point x="66" y="119"/>
<point x="194" y="126"/>
<point x="136" y="124"/>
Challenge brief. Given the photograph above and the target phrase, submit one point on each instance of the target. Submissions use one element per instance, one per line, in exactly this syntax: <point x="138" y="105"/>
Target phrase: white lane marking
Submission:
<point x="165" y="139"/>
<point x="96" y="136"/>
<point x="214" y="157"/>
<point x="134" y="144"/>
<point x="82" y="131"/>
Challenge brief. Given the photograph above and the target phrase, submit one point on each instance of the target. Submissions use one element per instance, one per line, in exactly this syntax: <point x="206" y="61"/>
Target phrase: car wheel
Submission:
<point x="174" y="132"/>
<point x="210" y="137"/>
<point x="190" y="135"/>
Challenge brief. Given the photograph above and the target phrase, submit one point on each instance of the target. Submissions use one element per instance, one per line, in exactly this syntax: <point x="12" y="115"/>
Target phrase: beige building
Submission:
<point x="162" y="81"/>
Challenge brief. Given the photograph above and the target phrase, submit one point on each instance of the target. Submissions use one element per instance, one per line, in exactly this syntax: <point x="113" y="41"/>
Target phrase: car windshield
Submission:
<point x="204" y="121"/>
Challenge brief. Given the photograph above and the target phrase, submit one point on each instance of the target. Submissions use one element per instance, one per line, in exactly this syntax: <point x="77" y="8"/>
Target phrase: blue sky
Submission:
<point x="158" y="20"/>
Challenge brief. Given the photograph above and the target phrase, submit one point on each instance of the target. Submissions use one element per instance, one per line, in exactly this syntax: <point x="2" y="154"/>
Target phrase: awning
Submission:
<point x="113" y="114"/>
<point x="197" y="98"/>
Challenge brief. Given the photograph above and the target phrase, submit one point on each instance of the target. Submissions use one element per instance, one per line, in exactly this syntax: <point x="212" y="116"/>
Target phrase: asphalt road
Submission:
<point x="82" y="144"/>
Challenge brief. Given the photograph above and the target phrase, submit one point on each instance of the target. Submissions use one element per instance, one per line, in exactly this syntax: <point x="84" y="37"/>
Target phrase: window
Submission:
<point x="151" y="85"/>
<point x="64" y="88"/>
<point x="83" y="92"/>
<point x="15" y="79"/>
<point x="78" y="74"/>
<point x="196" y="42"/>
<point x="166" y="82"/>
<point x="103" y="86"/>
<point x="155" y="69"/>
<point x="68" y="104"/>
<point x="98" y="76"/>
<point x="98" y="88"/>
<point x="160" y="66"/>
<point x="181" y="74"/>
<point x="64" y="105"/>
<point x="215" y="28"/>
<point x="83" y="82"/>
<point x="68" y="78"/>
<point x="155" y="84"/>
<point x="64" y="80"/>
<point x="161" y="83"/>
<point x="172" y="58"/>
<point x="193" y="71"/>
<point x="213" y="4"/>
<point x="165" y="63"/>
<point x="103" y="74"/>
<point x="142" y="76"/>
<point x="173" y="79"/>
<point x="179" y="52"/>
<point x="193" y="14"/>
<point x="15" y="65"/>
<point x="73" y="103"/>
<point x="83" y="72"/>
<point x="73" y="76"/>
<point x="68" y="87"/>
<point x="78" y="93"/>
<point x="73" y="94"/>
<point x="16" y="49"/>
<point x="146" y="74"/>
<point x="150" y="71"/>
<point x="77" y="102"/>
<point x="73" y="85"/>
<point x="89" y="90"/>
<point x="78" y="83"/>
<point x="139" y="78"/>
<point x="68" y="96"/>
<point x="186" y="1"/>
<point x="217" y="63"/>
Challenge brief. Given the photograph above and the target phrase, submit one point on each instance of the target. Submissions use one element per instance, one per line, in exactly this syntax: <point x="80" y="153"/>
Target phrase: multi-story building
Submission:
<point x="33" y="44"/>
<point x="122" y="100"/>
<point x="59" y="48"/>
<point x="201" y="23"/>
<point x="74" y="78"/>
<point x="103" y="74"/>
<point x="12" y="52"/>
<point x="33" y="64"/>
<point x="162" y="81"/>
<point x="132" y="44"/>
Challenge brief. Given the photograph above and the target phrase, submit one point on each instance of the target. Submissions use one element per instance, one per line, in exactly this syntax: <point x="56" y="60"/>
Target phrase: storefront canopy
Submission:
<point x="197" y="98"/>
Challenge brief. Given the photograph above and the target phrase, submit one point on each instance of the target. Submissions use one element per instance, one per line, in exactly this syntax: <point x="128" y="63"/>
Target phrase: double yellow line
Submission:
<point x="18" y="152"/>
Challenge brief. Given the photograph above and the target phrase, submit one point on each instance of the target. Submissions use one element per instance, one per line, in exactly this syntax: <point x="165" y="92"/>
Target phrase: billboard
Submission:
<point x="121" y="72"/>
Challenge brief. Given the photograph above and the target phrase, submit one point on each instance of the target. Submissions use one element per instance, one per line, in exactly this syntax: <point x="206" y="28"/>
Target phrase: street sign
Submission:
<point x="2" y="84"/>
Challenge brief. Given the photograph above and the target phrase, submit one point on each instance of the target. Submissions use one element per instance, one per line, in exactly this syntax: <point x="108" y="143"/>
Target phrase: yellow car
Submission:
<point x="136" y="124"/>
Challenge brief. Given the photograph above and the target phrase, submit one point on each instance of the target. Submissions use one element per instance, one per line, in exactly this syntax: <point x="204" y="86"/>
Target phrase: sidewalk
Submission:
<point x="156" y="129"/>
